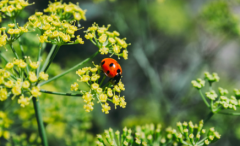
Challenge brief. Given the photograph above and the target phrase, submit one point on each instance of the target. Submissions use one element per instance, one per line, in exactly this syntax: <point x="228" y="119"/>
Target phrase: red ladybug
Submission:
<point x="112" y="69"/>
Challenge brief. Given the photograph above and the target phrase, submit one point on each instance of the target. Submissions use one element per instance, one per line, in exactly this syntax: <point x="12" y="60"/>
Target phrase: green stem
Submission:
<point x="69" y="70"/>
<point x="208" y="116"/>
<point x="40" y="121"/>
<point x="227" y="113"/>
<point x="38" y="58"/>
<point x="3" y="57"/>
<point x="102" y="81"/>
<point x="14" y="51"/>
<point x="48" y="57"/>
<point x="203" y="97"/>
<point x="60" y="93"/>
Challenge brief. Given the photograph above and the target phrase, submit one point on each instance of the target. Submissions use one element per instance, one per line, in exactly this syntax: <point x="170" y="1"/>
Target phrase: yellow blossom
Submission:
<point x="116" y="88"/>
<point x="34" y="65"/>
<point x="85" y="78"/>
<point x="32" y="77"/>
<point x="109" y="92"/>
<point x="104" y="50"/>
<point x="95" y="86"/>
<point x="35" y="92"/>
<point x="9" y="84"/>
<point x="26" y="84"/>
<point x="22" y="64"/>
<point x="16" y="90"/>
<point x="116" y="49"/>
<point x="88" y="107"/>
<point x="121" y="85"/>
<point x="103" y="97"/>
<point x="3" y="94"/>
<point x="116" y="100"/>
<point x="87" y="97"/>
<point x="111" y="40"/>
<point x="11" y="25"/>
<point x="6" y="74"/>
<point x="23" y="101"/>
<point x="43" y="76"/>
<point x="9" y="65"/>
<point x="106" y="108"/>
<point x="122" y="102"/>
<point x="80" y="72"/>
<point x="95" y="77"/>
<point x="89" y="36"/>
<point x="94" y="69"/>
<point x="125" y="54"/>
<point x="80" y="40"/>
<point x="102" y="38"/>
<point x="77" y="16"/>
<point x="74" y="86"/>
<point x="99" y="90"/>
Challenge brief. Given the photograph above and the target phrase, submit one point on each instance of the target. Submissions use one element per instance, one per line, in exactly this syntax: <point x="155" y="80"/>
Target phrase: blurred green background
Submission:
<point x="172" y="43"/>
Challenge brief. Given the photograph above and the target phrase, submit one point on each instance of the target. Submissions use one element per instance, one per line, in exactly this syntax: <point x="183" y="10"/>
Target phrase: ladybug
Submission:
<point x="112" y="69"/>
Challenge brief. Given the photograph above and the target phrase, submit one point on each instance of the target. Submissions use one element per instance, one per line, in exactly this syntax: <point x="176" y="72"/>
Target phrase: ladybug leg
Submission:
<point x="117" y="78"/>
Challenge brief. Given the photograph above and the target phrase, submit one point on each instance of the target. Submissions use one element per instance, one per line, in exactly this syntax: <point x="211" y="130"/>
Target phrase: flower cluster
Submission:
<point x="68" y="12"/>
<point x="221" y="101"/>
<point x="24" y="139"/>
<point x="91" y="77"/>
<point x="17" y="80"/>
<point x="4" y="125"/>
<point x="211" y="77"/>
<point x="199" y="83"/>
<point x="187" y="134"/>
<point x="53" y="29"/>
<point x="13" y="31"/>
<point x="12" y="8"/>
<point x="108" y="42"/>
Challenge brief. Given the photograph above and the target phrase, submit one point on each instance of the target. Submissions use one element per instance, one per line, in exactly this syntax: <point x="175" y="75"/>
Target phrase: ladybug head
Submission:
<point x="117" y="78"/>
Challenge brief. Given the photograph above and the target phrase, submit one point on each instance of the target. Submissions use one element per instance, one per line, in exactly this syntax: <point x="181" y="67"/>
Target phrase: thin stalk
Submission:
<point x="13" y="50"/>
<point x="3" y="57"/>
<point x="208" y="117"/>
<point x="39" y="58"/>
<point x="69" y="70"/>
<point x="52" y="57"/>
<point x="48" y="57"/>
<point x="203" y="97"/>
<point x="40" y="122"/>
<point x="102" y="80"/>
<point x="60" y="93"/>
<point x="227" y="113"/>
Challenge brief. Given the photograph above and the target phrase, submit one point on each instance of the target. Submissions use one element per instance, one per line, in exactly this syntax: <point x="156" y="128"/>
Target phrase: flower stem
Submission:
<point x="60" y="93"/>
<point x="208" y="116"/>
<point x="13" y="50"/>
<point x="228" y="113"/>
<point x="40" y="122"/>
<point x="69" y="70"/>
<point x="203" y="97"/>
<point x="48" y="58"/>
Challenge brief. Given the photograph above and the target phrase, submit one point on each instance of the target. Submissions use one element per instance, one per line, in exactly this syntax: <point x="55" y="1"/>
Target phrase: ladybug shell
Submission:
<point x="111" y="67"/>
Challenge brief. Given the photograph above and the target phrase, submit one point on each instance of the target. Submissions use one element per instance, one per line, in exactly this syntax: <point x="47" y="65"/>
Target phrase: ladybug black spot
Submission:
<point x="108" y="72"/>
<point x="111" y="64"/>
<point x="103" y="62"/>
<point x="118" y="71"/>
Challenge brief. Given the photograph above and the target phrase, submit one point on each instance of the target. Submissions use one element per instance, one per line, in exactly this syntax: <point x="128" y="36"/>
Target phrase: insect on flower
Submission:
<point x="112" y="69"/>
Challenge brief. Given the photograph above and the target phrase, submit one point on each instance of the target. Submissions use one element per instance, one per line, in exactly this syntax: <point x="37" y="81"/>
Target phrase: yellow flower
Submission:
<point x="116" y="100"/>
<point x="43" y="38"/>
<point x="77" y="16"/>
<point x="22" y="64"/>
<point x="106" y="108"/>
<point x="88" y="107"/>
<point x="111" y="40"/>
<point x="74" y="86"/>
<point x="9" y="65"/>
<point x="85" y="78"/>
<point x="95" y="86"/>
<point x="121" y="85"/>
<point x="32" y="77"/>
<point x="109" y="92"/>
<point x="3" y="94"/>
<point x="26" y="84"/>
<point x="102" y="38"/>
<point x="94" y="69"/>
<point x="103" y="97"/>
<point x="104" y="50"/>
<point x="125" y="54"/>
<point x="9" y="84"/>
<point x="80" y="72"/>
<point x="116" y="49"/>
<point x="11" y="25"/>
<point x="23" y="101"/>
<point x="80" y="40"/>
<point x="87" y="97"/>
<point x="34" y="65"/>
<point x="95" y="77"/>
<point x="35" y="92"/>
<point x="6" y="74"/>
<point x="89" y="36"/>
<point x="16" y="90"/>
<point x="99" y="90"/>
<point x="43" y="76"/>
<point x="122" y="102"/>
<point x="116" y="88"/>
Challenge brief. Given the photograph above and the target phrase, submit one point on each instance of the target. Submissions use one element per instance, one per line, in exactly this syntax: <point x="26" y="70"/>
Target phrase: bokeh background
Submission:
<point x="172" y="43"/>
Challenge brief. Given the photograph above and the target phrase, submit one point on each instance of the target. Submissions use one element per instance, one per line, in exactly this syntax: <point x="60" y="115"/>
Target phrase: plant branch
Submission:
<point x="203" y="97"/>
<point x="40" y="122"/>
<point x="69" y="70"/>
<point x="48" y="58"/>
<point x="60" y="93"/>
